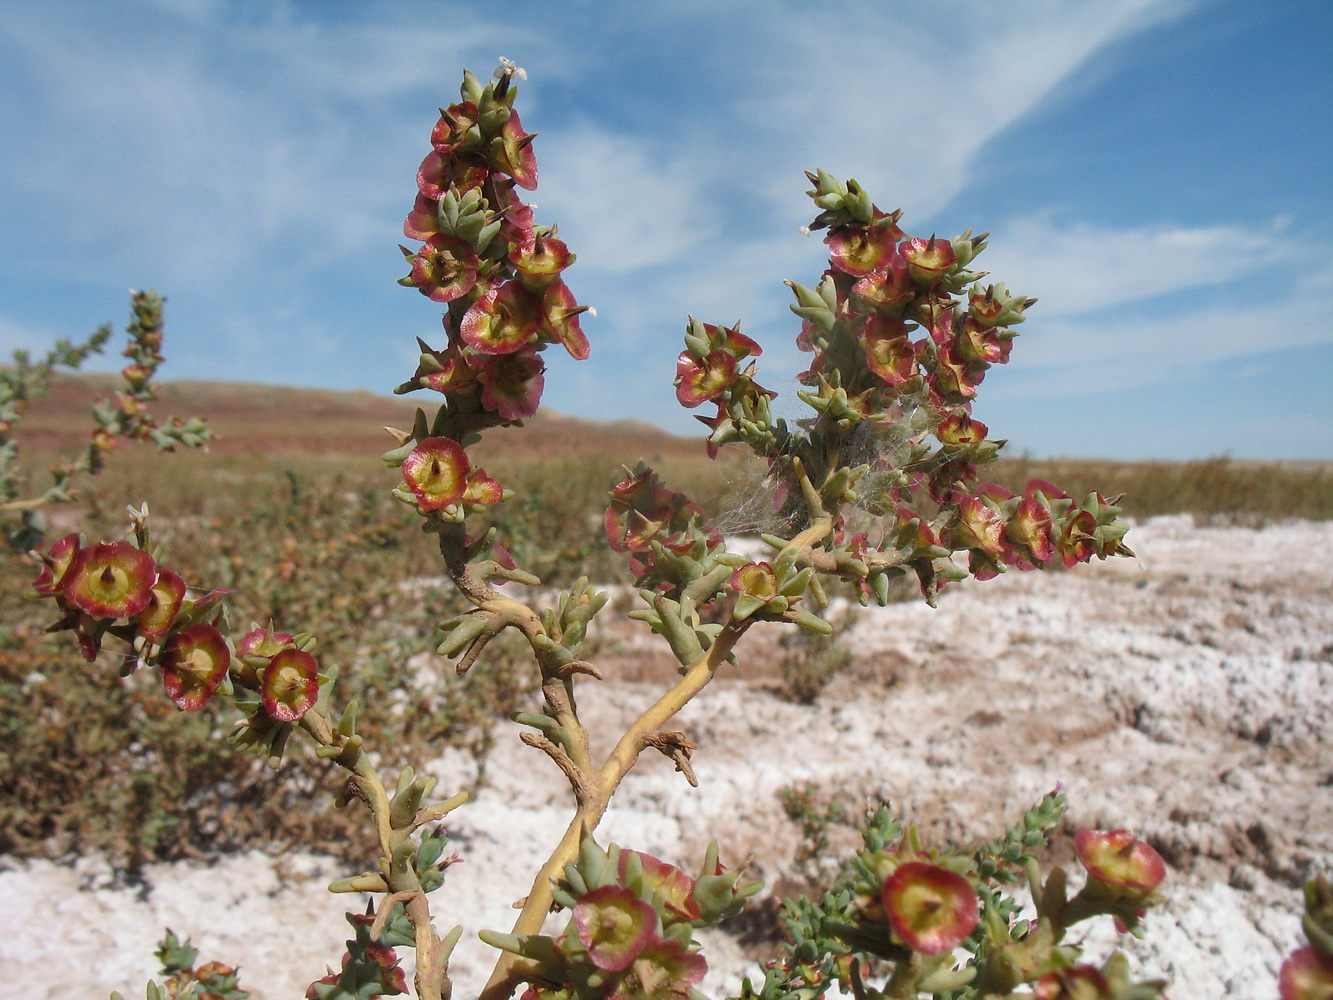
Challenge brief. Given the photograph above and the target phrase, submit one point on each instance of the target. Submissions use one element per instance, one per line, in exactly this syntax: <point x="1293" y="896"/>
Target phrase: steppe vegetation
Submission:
<point x="233" y="516"/>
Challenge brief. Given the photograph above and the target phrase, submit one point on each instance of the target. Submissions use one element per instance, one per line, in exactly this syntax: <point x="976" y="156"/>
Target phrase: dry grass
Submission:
<point x="291" y="509"/>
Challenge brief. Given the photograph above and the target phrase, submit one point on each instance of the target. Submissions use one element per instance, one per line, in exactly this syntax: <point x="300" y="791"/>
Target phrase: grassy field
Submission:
<point x="290" y="508"/>
<point x="262" y="431"/>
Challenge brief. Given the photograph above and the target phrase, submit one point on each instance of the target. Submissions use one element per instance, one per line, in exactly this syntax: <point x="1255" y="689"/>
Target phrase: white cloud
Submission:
<point x="1068" y="357"/>
<point x="16" y="336"/>
<point x="883" y="94"/>
<point x="620" y="202"/>
<point x="196" y="149"/>
<point x="1081" y="268"/>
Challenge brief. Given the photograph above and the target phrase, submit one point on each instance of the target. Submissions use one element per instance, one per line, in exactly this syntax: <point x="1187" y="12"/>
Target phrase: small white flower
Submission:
<point x="804" y="230"/>
<point x="592" y="310"/>
<point x="507" y="68"/>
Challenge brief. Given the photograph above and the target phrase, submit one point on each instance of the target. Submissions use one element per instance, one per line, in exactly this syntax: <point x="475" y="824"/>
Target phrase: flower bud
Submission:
<point x="1307" y="974"/>
<point x="1123" y="866"/>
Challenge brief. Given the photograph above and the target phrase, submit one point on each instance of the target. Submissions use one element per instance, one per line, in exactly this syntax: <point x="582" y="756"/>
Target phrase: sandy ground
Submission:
<point x="1184" y="695"/>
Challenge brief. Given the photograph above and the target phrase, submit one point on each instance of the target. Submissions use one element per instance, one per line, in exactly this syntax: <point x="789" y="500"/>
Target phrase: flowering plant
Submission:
<point x="878" y="482"/>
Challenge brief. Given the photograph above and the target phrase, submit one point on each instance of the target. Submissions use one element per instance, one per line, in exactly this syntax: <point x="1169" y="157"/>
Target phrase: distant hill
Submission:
<point x="261" y="419"/>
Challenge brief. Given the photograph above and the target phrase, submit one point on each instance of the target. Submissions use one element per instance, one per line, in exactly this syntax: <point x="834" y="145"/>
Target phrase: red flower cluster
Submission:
<point x="889" y="284"/>
<point x="115" y="588"/>
<point x="484" y="256"/>
<point x="629" y="933"/>
<point x="369" y="969"/>
<point x="999" y="529"/>
<point x="287" y="677"/>
<point x="709" y="370"/>
<point x="644" y="514"/>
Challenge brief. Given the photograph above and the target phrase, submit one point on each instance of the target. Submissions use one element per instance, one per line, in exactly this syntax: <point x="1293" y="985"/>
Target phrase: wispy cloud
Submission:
<point x="882" y="94"/>
<point x="19" y="336"/>
<point x="1069" y="356"/>
<point x="1081" y="268"/>
<point x="624" y="202"/>
<point x="194" y="147"/>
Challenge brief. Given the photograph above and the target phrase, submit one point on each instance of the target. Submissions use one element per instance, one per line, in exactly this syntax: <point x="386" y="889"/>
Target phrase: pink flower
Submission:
<point x="455" y="127"/>
<point x="887" y="291"/>
<point x="541" y="261"/>
<point x="961" y="429"/>
<point x="889" y="353"/>
<point x="982" y="343"/>
<point x="444" y="269"/>
<point x="423" y="221"/>
<point x="561" y="319"/>
<point x="193" y="663"/>
<point x="676" y="887"/>
<point x="710" y="363"/>
<point x="1307" y="974"/>
<point x="701" y="379"/>
<point x="614" y="925"/>
<point x="445" y="371"/>
<point x="263" y="642"/>
<point x="929" y="259"/>
<point x="512" y="383"/>
<point x="1077" y="539"/>
<point x="503" y="321"/>
<point x="436" y="471"/>
<point x="55" y="565"/>
<point x="664" y="970"/>
<point x="930" y="909"/>
<point x="165" y="599"/>
<point x="1030" y="527"/>
<point x="516" y="218"/>
<point x="954" y="380"/>
<point x="290" y="685"/>
<point x="980" y="526"/>
<point x="110" y="580"/>
<point x="513" y="153"/>
<point x="860" y="249"/>
<point x="481" y="489"/>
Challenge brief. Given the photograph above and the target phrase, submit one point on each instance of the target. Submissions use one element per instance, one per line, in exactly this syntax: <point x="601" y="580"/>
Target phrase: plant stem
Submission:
<point x="509" y="968"/>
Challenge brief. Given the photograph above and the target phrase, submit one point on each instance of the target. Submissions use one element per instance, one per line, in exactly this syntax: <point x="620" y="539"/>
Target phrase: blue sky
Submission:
<point x="1156" y="172"/>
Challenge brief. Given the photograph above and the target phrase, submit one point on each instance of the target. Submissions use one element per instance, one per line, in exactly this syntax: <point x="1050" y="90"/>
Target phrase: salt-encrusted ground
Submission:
<point x="1185" y="695"/>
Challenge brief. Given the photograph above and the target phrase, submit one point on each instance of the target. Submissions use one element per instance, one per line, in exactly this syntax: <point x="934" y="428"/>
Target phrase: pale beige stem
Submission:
<point x="509" y="968"/>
